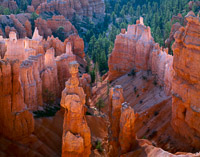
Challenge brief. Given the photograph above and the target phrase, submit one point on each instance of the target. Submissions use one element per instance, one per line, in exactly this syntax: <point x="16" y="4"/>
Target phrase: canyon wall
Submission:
<point x="76" y="140"/>
<point x="136" y="50"/>
<point x="186" y="81"/>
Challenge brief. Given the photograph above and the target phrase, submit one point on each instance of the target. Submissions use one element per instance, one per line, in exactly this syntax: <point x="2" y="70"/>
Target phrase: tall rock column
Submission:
<point x="186" y="81"/>
<point x="15" y="120"/>
<point x="76" y="141"/>
<point x="127" y="136"/>
<point x="115" y="104"/>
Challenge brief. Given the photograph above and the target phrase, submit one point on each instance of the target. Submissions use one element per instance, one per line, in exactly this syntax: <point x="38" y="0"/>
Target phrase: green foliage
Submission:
<point x="99" y="146"/>
<point x="49" y="97"/>
<point x="100" y="104"/>
<point x="6" y="11"/>
<point x="60" y="33"/>
<point x="49" y="111"/>
<point x="34" y="16"/>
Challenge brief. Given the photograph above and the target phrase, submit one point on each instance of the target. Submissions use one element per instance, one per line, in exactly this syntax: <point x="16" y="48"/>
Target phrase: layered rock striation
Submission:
<point x="186" y="84"/>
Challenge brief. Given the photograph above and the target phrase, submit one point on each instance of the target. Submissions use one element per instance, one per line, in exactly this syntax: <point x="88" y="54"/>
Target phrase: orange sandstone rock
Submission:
<point x="15" y="119"/>
<point x="127" y="136"/>
<point x="186" y="81"/>
<point x="115" y="104"/>
<point x="77" y="45"/>
<point x="76" y="133"/>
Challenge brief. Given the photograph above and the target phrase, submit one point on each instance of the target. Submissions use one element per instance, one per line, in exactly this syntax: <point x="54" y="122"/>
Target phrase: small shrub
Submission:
<point x="144" y="137"/>
<point x="156" y="113"/>
<point x="155" y="83"/>
<point x="132" y="73"/>
<point x="135" y="90"/>
<point x="144" y="77"/>
<point x="81" y="65"/>
<point x="99" y="146"/>
<point x="153" y="134"/>
<point x="138" y="96"/>
<point x="100" y="104"/>
<point x="88" y="113"/>
<point x="49" y="111"/>
<point x="141" y="101"/>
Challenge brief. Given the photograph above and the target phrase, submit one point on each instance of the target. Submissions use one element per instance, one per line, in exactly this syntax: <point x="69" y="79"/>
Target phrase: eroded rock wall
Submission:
<point x="186" y="81"/>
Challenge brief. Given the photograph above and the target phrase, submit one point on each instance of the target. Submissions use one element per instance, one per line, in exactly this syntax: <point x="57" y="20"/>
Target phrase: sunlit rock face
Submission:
<point x="186" y="81"/>
<point x="136" y="49"/>
<point x="16" y="121"/>
<point x="76" y="140"/>
<point x="116" y="99"/>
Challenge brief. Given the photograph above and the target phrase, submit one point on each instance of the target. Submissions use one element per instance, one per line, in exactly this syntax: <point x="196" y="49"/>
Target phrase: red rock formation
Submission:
<point x="76" y="133"/>
<point x="31" y="82"/>
<point x="36" y="3"/>
<point x="77" y="45"/>
<point x="18" y="26"/>
<point x="137" y="50"/>
<point x="11" y="4"/>
<point x="43" y="27"/>
<point x="30" y="9"/>
<point x="127" y="136"/>
<point x="62" y="62"/>
<point x="68" y="8"/>
<point x="186" y="85"/>
<point x="15" y="120"/>
<point x="28" y="29"/>
<point x="18" y="49"/>
<point x="49" y="75"/>
<point x="56" y="44"/>
<point x="3" y="47"/>
<point x="129" y="48"/>
<point x="85" y="81"/>
<point x="175" y="27"/>
<point x="115" y="104"/>
<point x="60" y="21"/>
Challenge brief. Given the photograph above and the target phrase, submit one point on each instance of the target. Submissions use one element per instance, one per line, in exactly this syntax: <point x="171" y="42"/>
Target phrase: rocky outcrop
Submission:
<point x="36" y="3"/>
<point x="76" y="139"/>
<point x="28" y="29"/>
<point x="77" y="45"/>
<point x="136" y="50"/>
<point x="18" y="49"/>
<point x="88" y="8"/>
<point x="16" y="121"/>
<point x="186" y="85"/>
<point x="43" y="28"/>
<point x="59" y="21"/>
